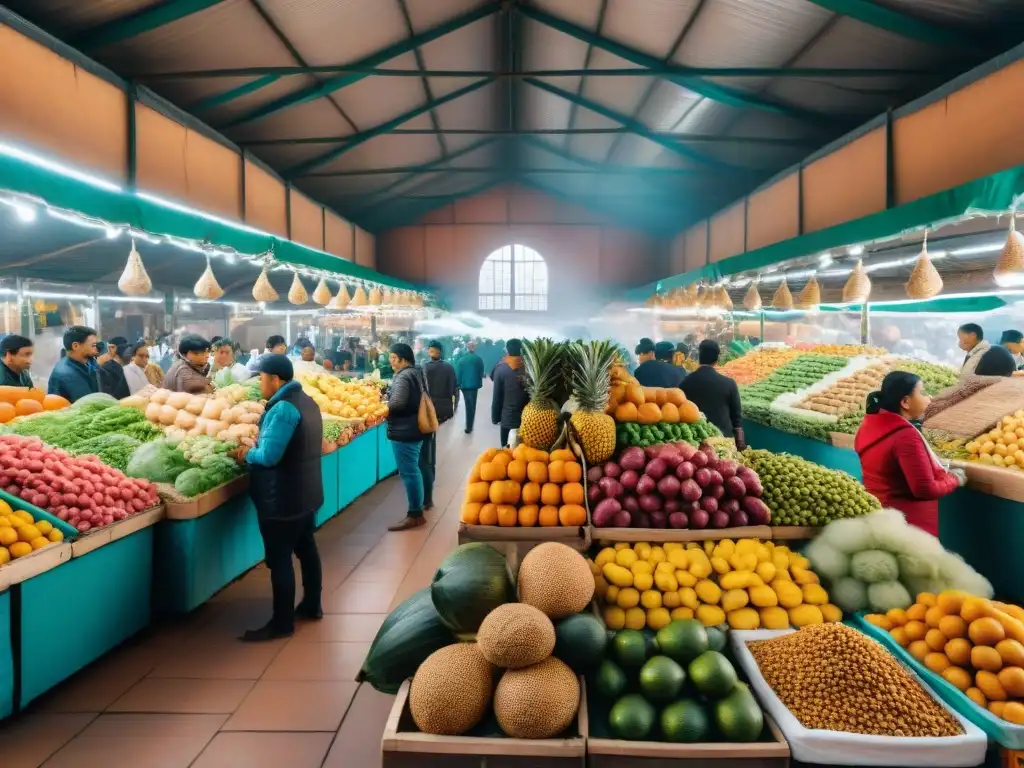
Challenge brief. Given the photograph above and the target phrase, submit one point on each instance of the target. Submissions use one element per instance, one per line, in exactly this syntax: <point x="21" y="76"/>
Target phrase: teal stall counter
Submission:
<point x="357" y="467"/>
<point x="329" y="472"/>
<point x="6" y="656"/>
<point x="386" y="465"/>
<point x="777" y="441"/>
<point x="73" y="614"/>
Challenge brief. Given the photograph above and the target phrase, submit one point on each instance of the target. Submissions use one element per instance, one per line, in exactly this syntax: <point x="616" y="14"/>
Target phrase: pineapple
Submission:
<point x="539" y="426"/>
<point x="591" y="379"/>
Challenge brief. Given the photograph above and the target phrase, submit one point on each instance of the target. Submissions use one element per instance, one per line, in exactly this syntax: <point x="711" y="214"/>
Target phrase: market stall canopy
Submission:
<point x="654" y="114"/>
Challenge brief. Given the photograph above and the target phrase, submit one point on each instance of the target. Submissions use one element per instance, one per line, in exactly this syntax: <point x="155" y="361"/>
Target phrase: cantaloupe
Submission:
<point x="451" y="690"/>
<point x="516" y="635"/>
<point x="555" y="579"/>
<point x="537" y="702"/>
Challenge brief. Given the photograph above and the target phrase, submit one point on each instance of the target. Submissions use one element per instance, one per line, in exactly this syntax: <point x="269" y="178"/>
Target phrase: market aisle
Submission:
<point x="188" y="694"/>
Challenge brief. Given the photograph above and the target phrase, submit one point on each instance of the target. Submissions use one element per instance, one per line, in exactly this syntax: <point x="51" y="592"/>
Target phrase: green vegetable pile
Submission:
<point x="791" y="377"/>
<point x="114" y="450"/>
<point x="68" y="428"/>
<point x="935" y="377"/>
<point x="332" y="430"/>
<point x="159" y="462"/>
<point x="214" y="469"/>
<point x="800" y="492"/>
<point x="795" y="424"/>
<point x="644" y="435"/>
<point x="198" y="447"/>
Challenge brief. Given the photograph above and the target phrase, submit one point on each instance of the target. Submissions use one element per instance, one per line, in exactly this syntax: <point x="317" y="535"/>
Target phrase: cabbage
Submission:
<point x="848" y="536"/>
<point x="94" y="401"/>
<point x="158" y="462"/>
<point x="849" y="594"/>
<point x="886" y="595"/>
<point x="874" y="566"/>
<point x="827" y="561"/>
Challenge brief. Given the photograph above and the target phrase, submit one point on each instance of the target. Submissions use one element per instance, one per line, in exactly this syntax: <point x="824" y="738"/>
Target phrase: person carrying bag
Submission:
<point x="412" y="422"/>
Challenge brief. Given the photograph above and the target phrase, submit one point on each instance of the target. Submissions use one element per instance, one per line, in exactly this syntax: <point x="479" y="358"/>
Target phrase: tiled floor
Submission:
<point x="188" y="694"/>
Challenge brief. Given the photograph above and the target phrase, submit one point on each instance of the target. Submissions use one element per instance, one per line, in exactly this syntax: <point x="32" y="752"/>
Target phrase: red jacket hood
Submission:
<point x="877" y="427"/>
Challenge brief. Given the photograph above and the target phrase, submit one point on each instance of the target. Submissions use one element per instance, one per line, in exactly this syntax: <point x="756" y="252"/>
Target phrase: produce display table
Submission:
<point x="357" y="467"/>
<point x="777" y="441"/>
<point x="6" y="657"/>
<point x="385" y="455"/>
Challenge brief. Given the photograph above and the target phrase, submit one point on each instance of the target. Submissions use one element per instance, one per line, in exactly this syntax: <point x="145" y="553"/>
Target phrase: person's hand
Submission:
<point x="960" y="475"/>
<point x="239" y="454"/>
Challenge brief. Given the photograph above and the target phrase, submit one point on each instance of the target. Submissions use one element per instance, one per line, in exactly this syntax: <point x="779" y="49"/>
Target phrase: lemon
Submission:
<point x="658" y="618"/>
<point x="5" y="556"/>
<point x="26" y="516"/>
<point x="55" y="535"/>
<point x="5" y="508"/>
<point x="28" y="532"/>
<point x="40" y="542"/>
<point x="652" y="599"/>
<point x="44" y="527"/>
<point x="628" y="598"/>
<point x="4" y="522"/>
<point x="614" y="617"/>
<point x="636" y="618"/>
<point x="625" y="557"/>
<point x="7" y="536"/>
<point x="20" y="549"/>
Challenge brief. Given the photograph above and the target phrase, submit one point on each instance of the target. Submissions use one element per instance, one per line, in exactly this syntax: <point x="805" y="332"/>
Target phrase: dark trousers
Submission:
<point x="469" y="395"/>
<point x="428" y="467"/>
<point x="504" y="436"/>
<point x="280" y="539"/>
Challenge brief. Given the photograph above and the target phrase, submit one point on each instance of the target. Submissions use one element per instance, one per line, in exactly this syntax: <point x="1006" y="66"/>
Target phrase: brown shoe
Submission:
<point x="408" y="523"/>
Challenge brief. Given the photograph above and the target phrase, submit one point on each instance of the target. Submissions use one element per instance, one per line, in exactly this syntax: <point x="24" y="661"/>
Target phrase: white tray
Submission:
<point x="839" y="748"/>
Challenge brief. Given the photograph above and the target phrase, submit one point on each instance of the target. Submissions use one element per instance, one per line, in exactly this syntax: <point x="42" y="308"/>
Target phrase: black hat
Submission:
<point x="277" y="365"/>
<point x="664" y="350"/>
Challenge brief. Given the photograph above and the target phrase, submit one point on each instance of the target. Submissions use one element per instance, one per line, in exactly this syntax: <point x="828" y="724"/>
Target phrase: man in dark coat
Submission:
<point x="510" y="397"/>
<point x="717" y="396"/>
<point x="470" y="375"/>
<point x="73" y="378"/>
<point x="286" y="487"/>
<point x="441" y="383"/>
<point x="17" y="359"/>
<point x="660" y="372"/>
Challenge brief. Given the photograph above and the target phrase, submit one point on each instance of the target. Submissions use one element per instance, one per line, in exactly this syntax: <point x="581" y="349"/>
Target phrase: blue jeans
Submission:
<point x="407" y="458"/>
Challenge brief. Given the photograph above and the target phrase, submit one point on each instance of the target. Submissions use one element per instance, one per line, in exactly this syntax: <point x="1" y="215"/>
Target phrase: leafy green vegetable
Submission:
<point x="332" y="430"/>
<point x="95" y="401"/>
<point x="198" y="447"/>
<point x="791" y="377"/>
<point x="114" y="450"/>
<point x="158" y="461"/>
<point x="213" y="470"/>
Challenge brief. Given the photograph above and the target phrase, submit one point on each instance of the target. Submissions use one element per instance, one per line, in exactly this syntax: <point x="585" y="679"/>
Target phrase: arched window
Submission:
<point x="514" y="277"/>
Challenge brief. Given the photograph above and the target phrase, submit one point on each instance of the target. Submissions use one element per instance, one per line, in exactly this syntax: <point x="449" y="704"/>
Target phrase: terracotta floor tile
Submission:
<point x="341" y="628"/>
<point x="358" y="741"/>
<point x="318" y="661"/>
<point x="135" y="724"/>
<point x="354" y="597"/>
<point x="102" y="683"/>
<point x="184" y="696"/>
<point x="275" y="705"/>
<point x="363" y="575"/>
<point x="223" y="660"/>
<point x="265" y="750"/>
<point x="28" y="740"/>
<point x="345" y="555"/>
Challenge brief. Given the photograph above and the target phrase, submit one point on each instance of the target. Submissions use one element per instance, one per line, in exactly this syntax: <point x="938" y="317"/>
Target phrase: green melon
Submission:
<point x="470" y="583"/>
<point x="580" y="641"/>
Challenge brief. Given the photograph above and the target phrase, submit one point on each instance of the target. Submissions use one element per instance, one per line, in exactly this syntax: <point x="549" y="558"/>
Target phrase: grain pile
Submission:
<point x="833" y="678"/>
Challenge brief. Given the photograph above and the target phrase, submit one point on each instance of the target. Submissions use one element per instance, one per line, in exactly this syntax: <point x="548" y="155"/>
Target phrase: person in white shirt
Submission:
<point x="224" y="357"/>
<point x="971" y="340"/>
<point x="135" y="368"/>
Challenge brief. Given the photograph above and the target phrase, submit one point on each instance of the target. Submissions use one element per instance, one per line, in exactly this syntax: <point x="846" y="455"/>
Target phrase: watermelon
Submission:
<point x="470" y="583"/>
<point x="411" y="633"/>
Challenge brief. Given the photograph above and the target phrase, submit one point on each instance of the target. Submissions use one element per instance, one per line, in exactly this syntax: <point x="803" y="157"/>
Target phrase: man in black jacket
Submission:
<point x="17" y="359"/>
<point x="660" y="372"/>
<point x="412" y="448"/>
<point x="287" y="490"/>
<point x="717" y="396"/>
<point x="510" y="397"/>
<point x="441" y="383"/>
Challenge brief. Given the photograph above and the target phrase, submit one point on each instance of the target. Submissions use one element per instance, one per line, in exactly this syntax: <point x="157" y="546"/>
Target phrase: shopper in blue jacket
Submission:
<point x="75" y="375"/>
<point x="469" y="372"/>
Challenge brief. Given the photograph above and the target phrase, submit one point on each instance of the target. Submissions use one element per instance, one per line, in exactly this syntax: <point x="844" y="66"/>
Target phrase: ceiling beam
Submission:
<point x="418" y="55"/>
<point x="634" y="126"/>
<point x="690" y="138"/>
<point x="903" y="24"/>
<point x="614" y="170"/>
<point x="714" y="91"/>
<point x="333" y="84"/>
<point x="647" y="218"/>
<point x="574" y="106"/>
<point x="304" y="168"/>
<point x="411" y="208"/>
<point x="666" y="69"/>
<point x="135" y="24"/>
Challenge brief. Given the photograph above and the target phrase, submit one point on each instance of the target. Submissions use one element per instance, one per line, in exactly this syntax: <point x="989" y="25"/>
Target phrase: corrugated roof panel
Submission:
<point x="321" y="188"/>
<point x="474" y="110"/>
<point x="769" y="125"/>
<point x="449" y="184"/>
<point x="426" y="14"/>
<point x="974" y="13"/>
<point x="757" y="157"/>
<point x="281" y="157"/>
<point x="70" y="16"/>
<point x="231" y="34"/>
<point x="547" y="48"/>
<point x="489" y="155"/>
<point x="337" y="31"/>
<point x="667" y="105"/>
<point x="543" y="110"/>
<point x="651" y="26"/>
<point x="386" y="151"/>
<point x="707" y="116"/>
<point x="375" y="100"/>
<point x="225" y="113"/>
<point x="620" y="94"/>
<point x="738" y="33"/>
<point x="532" y="156"/>
<point x="636" y="150"/>
<point x="314" y="118"/>
<point x="471" y="47"/>
<point x="583" y="13"/>
<point x="593" y="146"/>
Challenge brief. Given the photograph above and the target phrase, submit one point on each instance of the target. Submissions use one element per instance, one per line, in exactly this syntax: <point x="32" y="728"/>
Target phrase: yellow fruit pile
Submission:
<point x="350" y="399"/>
<point x="975" y="644"/>
<point x="21" y="535"/>
<point x="1002" y="446"/>
<point x="525" y="487"/>
<point x="746" y="583"/>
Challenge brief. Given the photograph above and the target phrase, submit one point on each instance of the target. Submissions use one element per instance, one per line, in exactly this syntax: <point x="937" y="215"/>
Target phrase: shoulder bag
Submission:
<point x="426" y="417"/>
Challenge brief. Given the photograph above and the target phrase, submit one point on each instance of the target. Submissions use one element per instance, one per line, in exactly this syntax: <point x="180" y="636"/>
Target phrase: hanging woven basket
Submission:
<point x="388" y="299"/>
<point x="262" y="290"/>
<point x="135" y="280"/>
<point x="783" y="299"/>
<point x="858" y="285"/>
<point x="724" y="300"/>
<point x="752" y="300"/>
<point x="359" y="297"/>
<point x="418" y="301"/>
<point x="322" y="294"/>
<point x="810" y="295"/>
<point x="1010" y="265"/>
<point x="207" y="286"/>
<point x="342" y="298"/>
<point x="375" y="297"/>
<point x="925" y="281"/>
<point x="297" y="293"/>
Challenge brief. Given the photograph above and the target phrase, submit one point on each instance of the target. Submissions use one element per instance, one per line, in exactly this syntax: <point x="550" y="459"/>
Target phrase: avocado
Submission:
<point x="661" y="679"/>
<point x="683" y="640"/>
<point x="738" y="715"/>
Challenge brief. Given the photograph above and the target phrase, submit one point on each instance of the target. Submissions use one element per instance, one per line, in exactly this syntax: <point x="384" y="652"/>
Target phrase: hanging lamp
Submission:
<point x="207" y="286"/>
<point x="322" y="294"/>
<point x="1009" y="269"/>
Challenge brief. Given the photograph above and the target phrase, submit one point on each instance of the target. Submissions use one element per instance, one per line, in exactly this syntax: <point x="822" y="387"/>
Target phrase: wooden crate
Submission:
<point x="403" y="746"/>
<point x="577" y="537"/>
<point x="794" y="532"/>
<point x="613" y="753"/>
<point x="661" y="535"/>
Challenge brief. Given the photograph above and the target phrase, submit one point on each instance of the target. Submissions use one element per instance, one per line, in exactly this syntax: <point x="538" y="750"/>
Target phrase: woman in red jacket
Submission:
<point x="898" y="466"/>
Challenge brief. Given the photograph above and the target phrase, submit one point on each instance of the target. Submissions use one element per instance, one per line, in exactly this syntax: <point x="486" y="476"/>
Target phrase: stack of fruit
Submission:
<point x="975" y="644"/>
<point x="684" y="674"/>
<point x="758" y="364"/>
<point x="796" y="375"/>
<point x="25" y="401"/>
<point x="348" y="398"/>
<point x="1001" y="446"/>
<point x="746" y="583"/>
<point x="525" y="487"/>
<point x="21" y="534"/>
